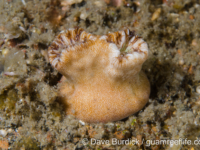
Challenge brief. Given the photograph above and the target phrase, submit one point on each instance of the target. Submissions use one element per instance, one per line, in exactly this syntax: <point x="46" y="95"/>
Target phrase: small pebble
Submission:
<point x="82" y="122"/>
<point x="10" y="130"/>
<point x="119" y="135"/>
<point x="3" y="132"/>
<point x="178" y="76"/>
<point x="83" y="15"/>
<point x="122" y="134"/>
<point x="98" y="3"/>
<point x="181" y="62"/>
<point x="156" y="14"/>
<point x="92" y="133"/>
<point x="5" y="52"/>
<point x="198" y="89"/>
<point x="194" y="42"/>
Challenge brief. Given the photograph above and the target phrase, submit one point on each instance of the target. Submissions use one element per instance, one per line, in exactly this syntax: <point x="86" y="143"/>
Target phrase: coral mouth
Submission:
<point x="127" y="42"/>
<point x="66" y="41"/>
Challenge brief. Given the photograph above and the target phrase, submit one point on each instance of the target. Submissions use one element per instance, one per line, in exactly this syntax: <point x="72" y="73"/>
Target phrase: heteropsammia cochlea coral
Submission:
<point x="104" y="81"/>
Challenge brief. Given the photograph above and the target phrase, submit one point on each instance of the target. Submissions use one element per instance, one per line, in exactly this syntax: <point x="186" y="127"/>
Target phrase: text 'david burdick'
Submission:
<point x="115" y="141"/>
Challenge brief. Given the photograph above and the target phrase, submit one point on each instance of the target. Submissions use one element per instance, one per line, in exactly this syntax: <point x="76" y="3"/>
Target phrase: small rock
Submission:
<point x="15" y="62"/>
<point x="3" y="132"/>
<point x="5" y="52"/>
<point x="10" y="130"/>
<point x="194" y="42"/>
<point x="119" y="135"/>
<point x="96" y="133"/>
<point x="198" y="89"/>
<point x="156" y="14"/>
<point x="82" y="122"/>
<point x="83" y="15"/>
<point x="122" y="134"/>
<point x="92" y="133"/>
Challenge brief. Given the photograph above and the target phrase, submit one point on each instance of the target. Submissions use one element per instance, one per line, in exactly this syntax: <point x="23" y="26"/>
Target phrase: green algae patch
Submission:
<point x="11" y="100"/>
<point x="8" y="100"/>
<point x="27" y="143"/>
<point x="2" y="99"/>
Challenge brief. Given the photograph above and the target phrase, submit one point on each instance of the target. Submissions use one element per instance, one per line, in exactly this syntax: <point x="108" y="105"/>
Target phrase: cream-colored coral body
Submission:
<point x="102" y="83"/>
<point x="101" y="100"/>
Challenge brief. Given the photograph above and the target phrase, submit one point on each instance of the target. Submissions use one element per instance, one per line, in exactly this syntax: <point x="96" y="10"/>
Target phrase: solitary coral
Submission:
<point x="104" y="81"/>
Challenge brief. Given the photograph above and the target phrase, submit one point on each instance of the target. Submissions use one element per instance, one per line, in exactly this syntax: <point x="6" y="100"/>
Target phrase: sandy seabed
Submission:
<point x="32" y="118"/>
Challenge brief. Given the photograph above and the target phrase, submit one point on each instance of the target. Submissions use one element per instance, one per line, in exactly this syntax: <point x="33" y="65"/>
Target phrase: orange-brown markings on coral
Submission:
<point x="71" y="42"/>
<point x="139" y="45"/>
<point x="127" y="38"/>
<point x="78" y="32"/>
<point x="84" y="39"/>
<point x="114" y="38"/>
<point x="86" y="45"/>
<point x="138" y="48"/>
<point x="56" y="65"/>
<point x="118" y="38"/>
<point x="69" y="35"/>
<point x="61" y="40"/>
<point x="121" y="57"/>
<point x="54" y="46"/>
<point x="77" y="37"/>
<point x="55" y="52"/>
<point x="108" y="39"/>
<point x="58" y="41"/>
<point x="135" y="40"/>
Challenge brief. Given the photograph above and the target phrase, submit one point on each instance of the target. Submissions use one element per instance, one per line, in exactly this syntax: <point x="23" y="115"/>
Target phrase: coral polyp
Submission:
<point x="104" y="81"/>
